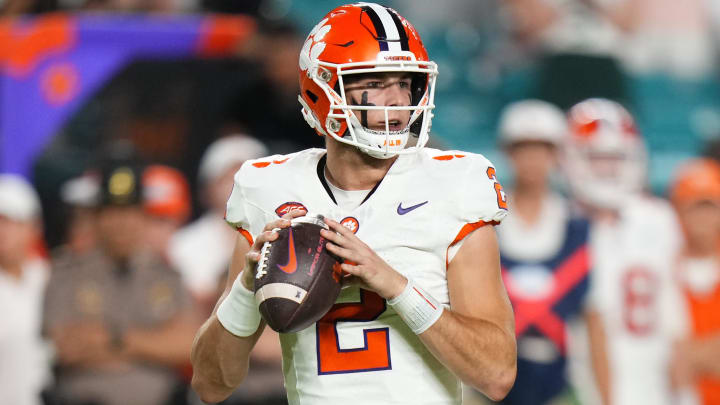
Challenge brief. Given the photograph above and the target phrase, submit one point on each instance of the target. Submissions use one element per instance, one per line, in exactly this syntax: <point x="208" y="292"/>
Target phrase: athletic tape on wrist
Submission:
<point x="239" y="313"/>
<point x="416" y="307"/>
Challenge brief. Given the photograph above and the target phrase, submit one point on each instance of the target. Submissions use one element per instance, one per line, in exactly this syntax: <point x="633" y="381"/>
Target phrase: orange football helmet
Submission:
<point x="364" y="38"/>
<point x="605" y="155"/>
<point x="696" y="180"/>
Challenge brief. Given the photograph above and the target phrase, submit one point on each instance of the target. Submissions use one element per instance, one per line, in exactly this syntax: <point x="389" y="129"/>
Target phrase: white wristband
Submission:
<point x="239" y="313"/>
<point x="416" y="307"/>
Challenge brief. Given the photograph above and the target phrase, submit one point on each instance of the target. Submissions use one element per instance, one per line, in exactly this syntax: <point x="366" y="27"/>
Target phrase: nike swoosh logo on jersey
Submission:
<point x="403" y="211"/>
<point x="291" y="264"/>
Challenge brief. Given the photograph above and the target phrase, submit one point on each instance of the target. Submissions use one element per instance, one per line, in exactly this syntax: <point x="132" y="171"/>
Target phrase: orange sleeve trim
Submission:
<point x="465" y="231"/>
<point x="246" y="234"/>
<point x="468" y="228"/>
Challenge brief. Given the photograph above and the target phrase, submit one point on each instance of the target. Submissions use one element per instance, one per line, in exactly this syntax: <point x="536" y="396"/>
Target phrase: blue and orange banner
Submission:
<point x="51" y="65"/>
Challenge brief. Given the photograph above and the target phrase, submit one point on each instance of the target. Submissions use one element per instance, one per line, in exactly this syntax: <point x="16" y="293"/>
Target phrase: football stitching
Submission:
<point x="262" y="262"/>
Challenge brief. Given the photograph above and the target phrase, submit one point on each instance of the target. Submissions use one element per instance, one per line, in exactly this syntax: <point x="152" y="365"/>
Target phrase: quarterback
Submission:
<point x="424" y="306"/>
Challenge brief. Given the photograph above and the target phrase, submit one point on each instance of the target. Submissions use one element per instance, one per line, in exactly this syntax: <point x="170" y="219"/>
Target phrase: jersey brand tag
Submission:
<point x="403" y="211"/>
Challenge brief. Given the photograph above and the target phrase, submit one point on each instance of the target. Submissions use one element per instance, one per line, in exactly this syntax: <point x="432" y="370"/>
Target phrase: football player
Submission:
<point x="427" y="308"/>
<point x="633" y="304"/>
<point x="543" y="250"/>
<point x="695" y="194"/>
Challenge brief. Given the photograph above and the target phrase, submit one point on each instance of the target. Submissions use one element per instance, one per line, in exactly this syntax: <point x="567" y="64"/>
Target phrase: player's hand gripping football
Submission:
<point x="365" y="267"/>
<point x="253" y="256"/>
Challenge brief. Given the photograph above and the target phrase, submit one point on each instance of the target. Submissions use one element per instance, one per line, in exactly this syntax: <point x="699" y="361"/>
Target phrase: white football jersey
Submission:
<point x="424" y="204"/>
<point x="634" y="291"/>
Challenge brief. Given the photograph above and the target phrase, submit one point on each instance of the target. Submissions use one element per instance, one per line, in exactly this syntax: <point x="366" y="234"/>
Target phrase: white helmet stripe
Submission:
<point x="391" y="30"/>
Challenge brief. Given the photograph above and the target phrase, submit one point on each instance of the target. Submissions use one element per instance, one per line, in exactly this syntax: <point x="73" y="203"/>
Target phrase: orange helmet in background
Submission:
<point x="696" y="180"/>
<point x="166" y="193"/>
<point x="364" y="38"/>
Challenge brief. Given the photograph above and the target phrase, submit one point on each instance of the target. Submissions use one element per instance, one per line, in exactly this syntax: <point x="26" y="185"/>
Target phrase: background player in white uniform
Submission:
<point x="421" y="321"/>
<point x="635" y="239"/>
<point x="25" y="364"/>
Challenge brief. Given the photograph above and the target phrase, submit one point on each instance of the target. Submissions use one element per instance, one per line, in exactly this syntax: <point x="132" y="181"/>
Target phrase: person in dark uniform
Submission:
<point x="119" y="318"/>
<point x="543" y="252"/>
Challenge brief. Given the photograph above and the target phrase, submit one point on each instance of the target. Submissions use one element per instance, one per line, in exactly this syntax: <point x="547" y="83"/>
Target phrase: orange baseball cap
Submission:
<point x="696" y="180"/>
<point x="166" y="193"/>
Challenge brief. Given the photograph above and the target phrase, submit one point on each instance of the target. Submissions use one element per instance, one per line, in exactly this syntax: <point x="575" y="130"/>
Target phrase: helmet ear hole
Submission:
<point x="313" y="96"/>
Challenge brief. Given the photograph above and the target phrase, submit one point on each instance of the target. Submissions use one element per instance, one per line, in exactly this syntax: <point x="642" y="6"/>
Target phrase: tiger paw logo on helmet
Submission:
<point x="314" y="47"/>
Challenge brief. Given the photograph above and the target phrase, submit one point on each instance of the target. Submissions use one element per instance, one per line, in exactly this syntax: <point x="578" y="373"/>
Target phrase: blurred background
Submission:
<point x="86" y="82"/>
<point x="172" y="76"/>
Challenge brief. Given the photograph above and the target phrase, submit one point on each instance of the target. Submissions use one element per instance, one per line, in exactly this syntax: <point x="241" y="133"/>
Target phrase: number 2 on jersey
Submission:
<point x="374" y="356"/>
<point x="501" y="200"/>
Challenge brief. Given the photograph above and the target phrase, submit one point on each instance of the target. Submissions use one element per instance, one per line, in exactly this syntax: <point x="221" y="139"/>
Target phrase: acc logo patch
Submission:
<point x="350" y="223"/>
<point x="289" y="206"/>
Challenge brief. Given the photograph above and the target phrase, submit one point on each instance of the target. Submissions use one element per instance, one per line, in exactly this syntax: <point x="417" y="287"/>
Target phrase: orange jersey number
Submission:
<point x="375" y="355"/>
<point x="501" y="200"/>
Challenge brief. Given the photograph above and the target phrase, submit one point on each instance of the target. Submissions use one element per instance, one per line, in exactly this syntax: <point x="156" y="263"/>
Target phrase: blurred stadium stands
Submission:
<point x="675" y="115"/>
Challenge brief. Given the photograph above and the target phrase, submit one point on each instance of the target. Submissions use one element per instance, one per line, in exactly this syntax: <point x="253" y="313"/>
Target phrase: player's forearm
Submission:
<point x="479" y="352"/>
<point x="220" y="360"/>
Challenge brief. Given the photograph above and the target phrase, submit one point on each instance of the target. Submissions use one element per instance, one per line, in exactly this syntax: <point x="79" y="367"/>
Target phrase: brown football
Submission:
<point x="297" y="279"/>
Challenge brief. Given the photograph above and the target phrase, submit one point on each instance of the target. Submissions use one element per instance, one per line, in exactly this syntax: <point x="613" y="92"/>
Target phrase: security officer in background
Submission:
<point x="120" y="319"/>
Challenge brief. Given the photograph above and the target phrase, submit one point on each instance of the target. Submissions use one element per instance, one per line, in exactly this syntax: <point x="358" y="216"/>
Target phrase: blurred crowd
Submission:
<point x="17" y="7"/>
<point x="116" y="250"/>
<point x="643" y="35"/>
<point x="108" y="317"/>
